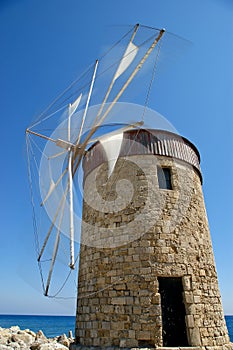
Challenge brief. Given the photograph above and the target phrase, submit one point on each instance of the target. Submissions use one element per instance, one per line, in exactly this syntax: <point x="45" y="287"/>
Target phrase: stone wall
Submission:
<point x="134" y="232"/>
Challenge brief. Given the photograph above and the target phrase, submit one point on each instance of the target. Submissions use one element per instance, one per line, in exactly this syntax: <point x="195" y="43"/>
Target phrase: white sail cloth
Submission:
<point x="74" y="105"/>
<point x="112" y="147"/>
<point x="127" y="59"/>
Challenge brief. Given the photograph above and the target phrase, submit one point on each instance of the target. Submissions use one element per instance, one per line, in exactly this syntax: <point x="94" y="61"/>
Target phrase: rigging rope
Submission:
<point x="152" y="79"/>
<point x="60" y="96"/>
<point x="33" y="210"/>
<point x="46" y="118"/>
<point x="75" y="82"/>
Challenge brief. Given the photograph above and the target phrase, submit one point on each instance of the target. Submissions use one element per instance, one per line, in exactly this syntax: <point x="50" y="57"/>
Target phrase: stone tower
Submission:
<point x="147" y="275"/>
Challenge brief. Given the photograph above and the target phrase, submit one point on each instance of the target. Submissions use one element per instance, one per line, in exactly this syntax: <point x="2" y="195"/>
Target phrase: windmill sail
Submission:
<point x="112" y="147"/>
<point x="129" y="55"/>
<point x="127" y="59"/>
<point x="74" y="105"/>
<point x="51" y="188"/>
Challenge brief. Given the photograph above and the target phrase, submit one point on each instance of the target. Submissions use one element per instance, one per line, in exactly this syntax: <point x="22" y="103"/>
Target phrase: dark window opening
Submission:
<point x="164" y="178"/>
<point x="173" y="312"/>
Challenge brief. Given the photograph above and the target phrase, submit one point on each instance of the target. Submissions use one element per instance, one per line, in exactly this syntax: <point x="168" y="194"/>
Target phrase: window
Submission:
<point x="164" y="178"/>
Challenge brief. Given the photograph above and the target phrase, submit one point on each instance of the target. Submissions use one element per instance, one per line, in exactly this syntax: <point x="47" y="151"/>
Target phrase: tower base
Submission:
<point x="83" y="347"/>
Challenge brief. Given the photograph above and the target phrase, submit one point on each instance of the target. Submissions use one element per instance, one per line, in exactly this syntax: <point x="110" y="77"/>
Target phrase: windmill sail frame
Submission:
<point x="76" y="150"/>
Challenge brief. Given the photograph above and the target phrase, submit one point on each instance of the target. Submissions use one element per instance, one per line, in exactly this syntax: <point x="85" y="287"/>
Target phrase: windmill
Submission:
<point x="160" y="272"/>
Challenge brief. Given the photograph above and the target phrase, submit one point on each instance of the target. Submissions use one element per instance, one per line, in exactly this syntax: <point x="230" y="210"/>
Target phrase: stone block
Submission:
<point x="143" y="335"/>
<point x="197" y="299"/>
<point x="188" y="297"/>
<point x="190" y="321"/>
<point x="194" y="336"/>
<point x="128" y="343"/>
<point x="186" y="283"/>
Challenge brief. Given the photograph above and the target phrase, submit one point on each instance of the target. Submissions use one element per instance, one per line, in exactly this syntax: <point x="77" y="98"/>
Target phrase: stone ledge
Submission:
<point x="181" y="348"/>
<point x="74" y="346"/>
<point x="82" y="347"/>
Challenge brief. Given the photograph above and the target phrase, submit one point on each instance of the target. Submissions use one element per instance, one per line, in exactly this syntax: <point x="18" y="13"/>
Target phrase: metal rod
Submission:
<point x="70" y="182"/>
<point x="55" y="250"/>
<point x="68" y="128"/>
<point x="40" y="135"/>
<point x="71" y="204"/>
<point x="59" y="142"/>
<point x="87" y="104"/>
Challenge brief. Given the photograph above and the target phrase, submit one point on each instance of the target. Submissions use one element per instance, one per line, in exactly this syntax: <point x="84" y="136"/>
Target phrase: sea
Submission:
<point x="50" y="325"/>
<point x="57" y="325"/>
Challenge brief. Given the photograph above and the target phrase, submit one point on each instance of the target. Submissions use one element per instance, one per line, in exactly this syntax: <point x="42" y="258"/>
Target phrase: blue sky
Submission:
<point x="47" y="44"/>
